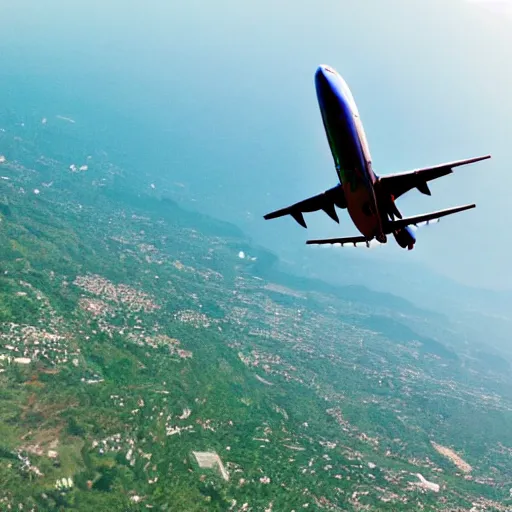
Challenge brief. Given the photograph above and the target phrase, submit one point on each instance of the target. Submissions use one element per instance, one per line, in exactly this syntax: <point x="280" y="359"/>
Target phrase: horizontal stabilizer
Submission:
<point x="398" y="184"/>
<point x="348" y="240"/>
<point x="427" y="217"/>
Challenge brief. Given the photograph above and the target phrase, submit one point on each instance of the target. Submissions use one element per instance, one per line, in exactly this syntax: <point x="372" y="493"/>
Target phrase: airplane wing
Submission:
<point x="398" y="184"/>
<point x="324" y="201"/>
<point x="407" y="221"/>
<point x="347" y="240"/>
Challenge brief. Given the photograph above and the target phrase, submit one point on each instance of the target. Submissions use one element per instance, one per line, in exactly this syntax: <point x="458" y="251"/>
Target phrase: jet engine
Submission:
<point x="405" y="238"/>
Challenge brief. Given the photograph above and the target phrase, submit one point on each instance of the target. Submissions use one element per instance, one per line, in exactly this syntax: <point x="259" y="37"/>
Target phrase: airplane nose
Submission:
<point x="320" y="74"/>
<point x="320" y="70"/>
<point x="321" y="80"/>
<point x="324" y="84"/>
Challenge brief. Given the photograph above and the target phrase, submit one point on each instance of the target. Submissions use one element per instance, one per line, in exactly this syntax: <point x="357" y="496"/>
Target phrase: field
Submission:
<point x="134" y="334"/>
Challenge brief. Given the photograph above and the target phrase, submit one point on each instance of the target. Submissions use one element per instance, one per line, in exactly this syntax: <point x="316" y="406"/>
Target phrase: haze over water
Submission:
<point x="219" y="99"/>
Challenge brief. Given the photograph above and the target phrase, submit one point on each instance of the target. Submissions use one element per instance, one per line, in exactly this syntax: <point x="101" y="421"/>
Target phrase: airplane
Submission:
<point x="369" y="198"/>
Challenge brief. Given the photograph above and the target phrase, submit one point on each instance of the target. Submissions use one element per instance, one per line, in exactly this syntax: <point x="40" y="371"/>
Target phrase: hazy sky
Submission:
<point x="219" y="97"/>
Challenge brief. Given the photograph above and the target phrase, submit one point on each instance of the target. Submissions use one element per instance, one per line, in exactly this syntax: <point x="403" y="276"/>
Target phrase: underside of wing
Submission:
<point x="398" y="184"/>
<point x="325" y="201"/>
<point x="347" y="240"/>
<point x="395" y="225"/>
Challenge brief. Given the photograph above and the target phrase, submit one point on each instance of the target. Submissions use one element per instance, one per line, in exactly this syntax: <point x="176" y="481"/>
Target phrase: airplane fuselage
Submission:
<point x="350" y="151"/>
